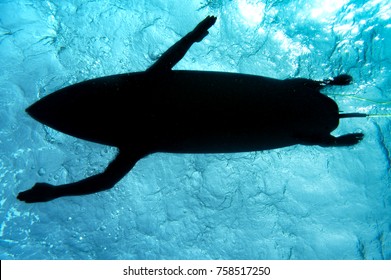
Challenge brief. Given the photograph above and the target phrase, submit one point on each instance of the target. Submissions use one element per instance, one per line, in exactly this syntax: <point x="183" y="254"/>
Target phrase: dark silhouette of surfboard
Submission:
<point x="164" y="110"/>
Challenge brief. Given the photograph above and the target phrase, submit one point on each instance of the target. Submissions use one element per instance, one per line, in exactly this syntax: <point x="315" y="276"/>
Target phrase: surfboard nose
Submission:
<point x="38" y="112"/>
<point x="35" y="111"/>
<point x="46" y="111"/>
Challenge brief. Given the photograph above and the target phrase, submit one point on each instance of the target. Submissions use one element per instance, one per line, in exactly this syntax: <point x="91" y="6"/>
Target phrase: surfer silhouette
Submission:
<point x="177" y="111"/>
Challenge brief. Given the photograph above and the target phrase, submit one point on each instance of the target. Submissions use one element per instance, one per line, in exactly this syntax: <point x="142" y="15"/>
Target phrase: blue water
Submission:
<point x="292" y="203"/>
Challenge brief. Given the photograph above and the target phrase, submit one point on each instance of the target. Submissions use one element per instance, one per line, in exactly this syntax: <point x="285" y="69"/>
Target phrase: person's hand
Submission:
<point x="40" y="192"/>
<point x="201" y="30"/>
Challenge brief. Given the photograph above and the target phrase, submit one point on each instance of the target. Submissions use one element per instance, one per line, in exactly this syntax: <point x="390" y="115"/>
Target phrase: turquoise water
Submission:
<point x="293" y="203"/>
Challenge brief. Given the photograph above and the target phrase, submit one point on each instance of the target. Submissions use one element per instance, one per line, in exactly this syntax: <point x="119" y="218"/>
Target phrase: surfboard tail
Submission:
<point x="352" y="115"/>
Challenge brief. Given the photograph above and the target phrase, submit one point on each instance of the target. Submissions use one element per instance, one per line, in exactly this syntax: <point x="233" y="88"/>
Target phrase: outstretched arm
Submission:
<point x="42" y="192"/>
<point x="175" y="53"/>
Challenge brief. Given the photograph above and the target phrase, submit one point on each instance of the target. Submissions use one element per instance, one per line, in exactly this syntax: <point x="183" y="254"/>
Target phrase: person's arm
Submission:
<point x="118" y="168"/>
<point x="176" y="52"/>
